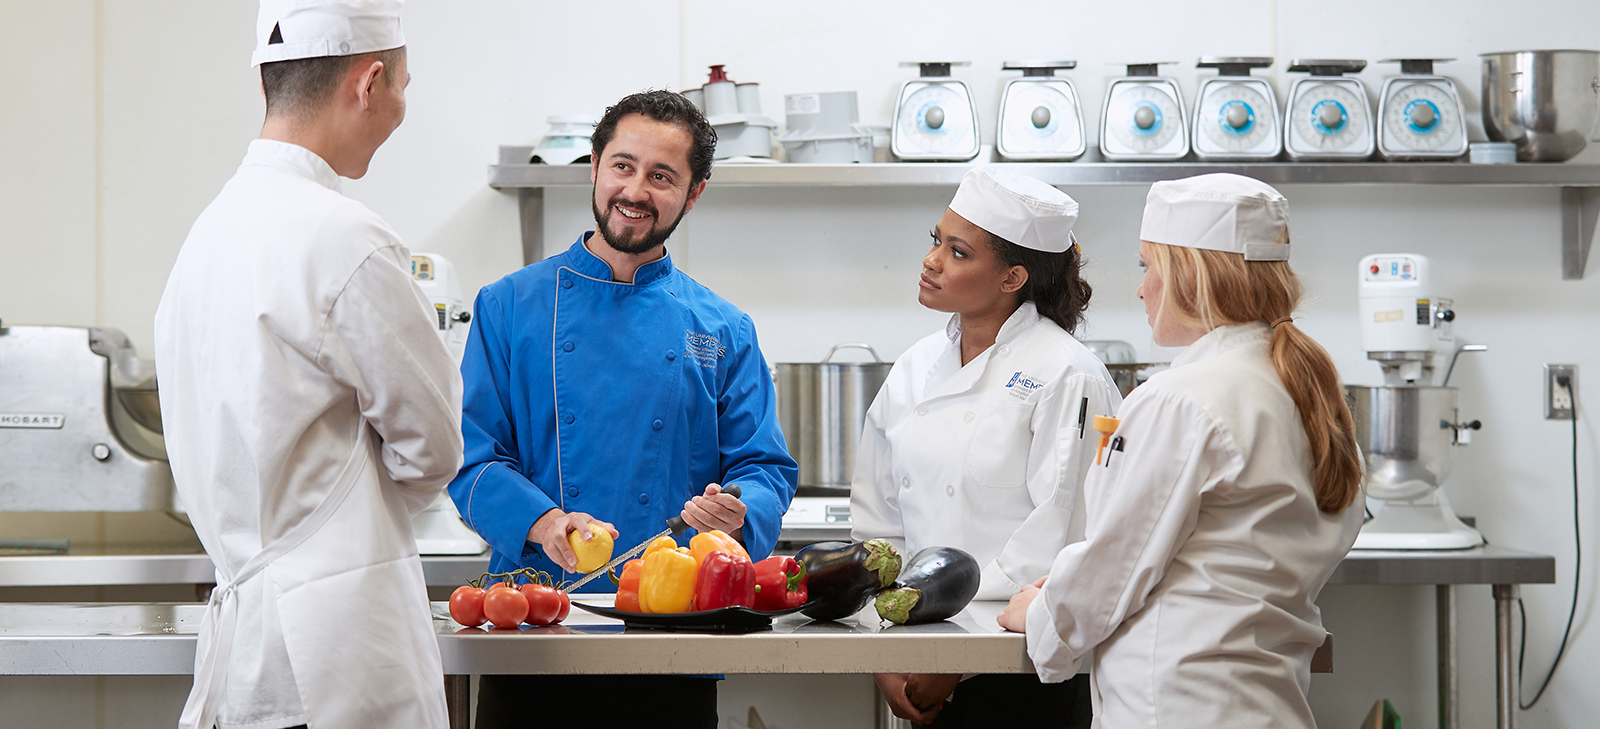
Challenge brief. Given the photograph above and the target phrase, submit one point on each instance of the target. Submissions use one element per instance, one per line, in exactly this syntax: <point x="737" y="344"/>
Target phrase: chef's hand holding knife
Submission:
<point x="715" y="510"/>
<point x="550" y="533"/>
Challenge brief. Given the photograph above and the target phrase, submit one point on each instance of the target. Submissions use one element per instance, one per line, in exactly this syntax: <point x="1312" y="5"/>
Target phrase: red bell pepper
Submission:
<point x="725" y="580"/>
<point x="780" y="584"/>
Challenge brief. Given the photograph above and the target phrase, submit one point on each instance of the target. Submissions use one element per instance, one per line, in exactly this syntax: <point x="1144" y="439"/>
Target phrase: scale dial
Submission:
<point x="935" y="121"/>
<point x="1143" y="120"/>
<point x="1422" y="119"/>
<point x="1329" y="119"/>
<point x="1040" y="120"/>
<point x="1236" y="119"/>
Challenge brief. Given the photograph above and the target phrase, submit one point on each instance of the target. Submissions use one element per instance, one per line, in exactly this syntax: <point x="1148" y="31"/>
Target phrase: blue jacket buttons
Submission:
<point x="567" y="347"/>
<point x="657" y="424"/>
<point x="644" y="498"/>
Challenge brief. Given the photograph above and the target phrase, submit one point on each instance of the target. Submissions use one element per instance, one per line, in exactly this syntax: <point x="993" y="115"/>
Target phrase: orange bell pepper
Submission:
<point x="715" y="540"/>
<point x="628" y="587"/>
<point x="667" y="581"/>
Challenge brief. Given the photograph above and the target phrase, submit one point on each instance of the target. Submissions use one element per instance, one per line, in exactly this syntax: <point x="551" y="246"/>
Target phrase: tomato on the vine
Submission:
<point x="466" y="606"/>
<point x="566" y="606"/>
<point x="544" y="603"/>
<point x="505" y="607"/>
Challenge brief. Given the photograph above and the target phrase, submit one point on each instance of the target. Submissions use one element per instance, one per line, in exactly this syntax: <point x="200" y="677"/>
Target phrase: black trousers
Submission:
<point x="658" y="702"/>
<point x="1019" y="700"/>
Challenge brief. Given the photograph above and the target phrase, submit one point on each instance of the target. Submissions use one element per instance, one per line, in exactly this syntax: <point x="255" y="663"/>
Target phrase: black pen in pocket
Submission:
<point x="1116" y="447"/>
<point x="1083" y="415"/>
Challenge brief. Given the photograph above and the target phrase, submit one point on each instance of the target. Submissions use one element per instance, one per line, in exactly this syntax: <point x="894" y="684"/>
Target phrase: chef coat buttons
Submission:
<point x="567" y="347"/>
<point x="671" y="355"/>
<point x="1005" y="350"/>
<point x="922" y="411"/>
<point x="644" y="498"/>
<point x="566" y="283"/>
<point x="969" y="417"/>
<point x="950" y="490"/>
<point x="657" y="424"/>
<point x="572" y="490"/>
<point x="905" y="482"/>
<point x="568" y="418"/>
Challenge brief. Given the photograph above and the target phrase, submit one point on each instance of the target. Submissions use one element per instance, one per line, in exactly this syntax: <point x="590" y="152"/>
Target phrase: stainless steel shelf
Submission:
<point x="1579" y="184"/>
<point x="94" y="567"/>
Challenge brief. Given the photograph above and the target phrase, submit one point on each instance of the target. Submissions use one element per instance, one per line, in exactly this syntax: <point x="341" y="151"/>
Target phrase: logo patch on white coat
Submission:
<point x="1023" y="386"/>
<point x="704" y="349"/>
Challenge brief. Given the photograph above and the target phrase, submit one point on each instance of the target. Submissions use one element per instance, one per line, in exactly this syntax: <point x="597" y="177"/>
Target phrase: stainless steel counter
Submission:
<point x="89" y="639"/>
<point x="85" y="639"/>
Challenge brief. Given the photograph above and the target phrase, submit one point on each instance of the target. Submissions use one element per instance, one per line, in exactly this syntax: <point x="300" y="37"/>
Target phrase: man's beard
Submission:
<point x="650" y="239"/>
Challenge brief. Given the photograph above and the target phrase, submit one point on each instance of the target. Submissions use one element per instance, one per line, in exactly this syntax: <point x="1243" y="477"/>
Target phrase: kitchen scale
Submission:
<point x="1419" y="113"/>
<point x="935" y="119"/>
<point x="1236" y="116"/>
<point x="1329" y="117"/>
<point x="1142" y="117"/>
<point x="1040" y="117"/>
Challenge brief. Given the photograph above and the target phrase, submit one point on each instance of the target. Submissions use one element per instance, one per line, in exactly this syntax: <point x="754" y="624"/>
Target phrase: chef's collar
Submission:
<point x="294" y="159"/>
<point x="585" y="262"/>
<point x="1223" y="338"/>
<point x="1025" y="316"/>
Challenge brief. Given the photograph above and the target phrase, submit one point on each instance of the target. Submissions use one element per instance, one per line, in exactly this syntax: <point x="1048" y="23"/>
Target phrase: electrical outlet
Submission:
<point x="1560" y="392"/>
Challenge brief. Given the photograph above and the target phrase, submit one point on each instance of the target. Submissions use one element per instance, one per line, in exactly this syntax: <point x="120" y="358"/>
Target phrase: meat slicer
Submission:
<point x="80" y="424"/>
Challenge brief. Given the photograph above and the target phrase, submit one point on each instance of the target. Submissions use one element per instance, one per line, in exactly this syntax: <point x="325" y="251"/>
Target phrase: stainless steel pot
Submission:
<point x="821" y="408"/>
<point x="1545" y="102"/>
<point x="1405" y="434"/>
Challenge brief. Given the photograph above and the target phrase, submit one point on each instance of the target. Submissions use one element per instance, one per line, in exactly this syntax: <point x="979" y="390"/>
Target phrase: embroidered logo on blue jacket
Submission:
<point x="704" y="349"/>
<point x="1021" y="386"/>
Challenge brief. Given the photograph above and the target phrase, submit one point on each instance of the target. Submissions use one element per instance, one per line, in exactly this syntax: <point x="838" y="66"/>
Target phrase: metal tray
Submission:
<point x="731" y="620"/>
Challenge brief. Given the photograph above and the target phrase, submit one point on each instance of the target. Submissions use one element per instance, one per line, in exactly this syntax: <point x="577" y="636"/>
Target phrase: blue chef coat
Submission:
<point x="619" y="400"/>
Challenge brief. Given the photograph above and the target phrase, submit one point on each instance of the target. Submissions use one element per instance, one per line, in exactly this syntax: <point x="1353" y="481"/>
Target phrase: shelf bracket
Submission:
<point x="530" y="208"/>
<point x="1580" y="207"/>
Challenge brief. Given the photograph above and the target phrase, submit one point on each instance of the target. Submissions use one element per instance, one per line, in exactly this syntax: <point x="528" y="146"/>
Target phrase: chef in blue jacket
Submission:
<point x="604" y="385"/>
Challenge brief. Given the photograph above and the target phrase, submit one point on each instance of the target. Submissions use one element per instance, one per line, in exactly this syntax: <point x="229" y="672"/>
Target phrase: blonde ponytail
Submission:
<point x="1207" y="289"/>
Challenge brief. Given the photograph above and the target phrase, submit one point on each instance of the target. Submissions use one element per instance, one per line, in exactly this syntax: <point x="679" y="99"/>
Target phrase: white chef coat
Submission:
<point x="1195" y="587"/>
<point x="301" y="380"/>
<point x="988" y="457"/>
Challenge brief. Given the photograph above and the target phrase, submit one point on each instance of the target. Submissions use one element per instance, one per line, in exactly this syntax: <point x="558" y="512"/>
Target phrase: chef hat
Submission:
<point x="1017" y="208"/>
<point x="290" y="29"/>
<point x="1218" y="212"/>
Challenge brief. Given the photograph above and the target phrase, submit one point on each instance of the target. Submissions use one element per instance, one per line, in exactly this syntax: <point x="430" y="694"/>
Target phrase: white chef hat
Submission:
<point x="1218" y="212"/>
<point x="1017" y="208"/>
<point x="290" y="29"/>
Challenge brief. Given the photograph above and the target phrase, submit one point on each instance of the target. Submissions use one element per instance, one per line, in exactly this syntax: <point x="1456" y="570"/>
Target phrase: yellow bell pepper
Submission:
<point x="667" y="581"/>
<point x="659" y="544"/>
<point x="715" y="540"/>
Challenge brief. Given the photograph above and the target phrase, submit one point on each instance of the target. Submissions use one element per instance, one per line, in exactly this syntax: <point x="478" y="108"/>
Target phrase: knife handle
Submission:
<point x="676" y="523"/>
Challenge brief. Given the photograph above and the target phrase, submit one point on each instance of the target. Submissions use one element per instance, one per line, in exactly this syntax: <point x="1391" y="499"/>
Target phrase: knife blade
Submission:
<point x="675" y="526"/>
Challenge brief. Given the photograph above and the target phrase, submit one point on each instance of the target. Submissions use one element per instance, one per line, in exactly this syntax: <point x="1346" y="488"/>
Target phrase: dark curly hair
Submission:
<point x="1055" y="282"/>
<point x="670" y="108"/>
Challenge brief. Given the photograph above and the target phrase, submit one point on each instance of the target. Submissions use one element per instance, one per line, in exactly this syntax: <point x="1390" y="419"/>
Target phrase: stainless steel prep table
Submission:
<point x="133" y="566"/>
<point x="146" y="639"/>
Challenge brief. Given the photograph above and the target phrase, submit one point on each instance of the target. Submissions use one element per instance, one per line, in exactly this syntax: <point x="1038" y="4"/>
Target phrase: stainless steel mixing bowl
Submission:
<point x="1545" y="102"/>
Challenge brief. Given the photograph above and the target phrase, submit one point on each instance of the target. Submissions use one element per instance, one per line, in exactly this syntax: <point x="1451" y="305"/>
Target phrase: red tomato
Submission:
<point x="466" y="606"/>
<point x="544" y="603"/>
<point x="505" y="607"/>
<point x="566" y="606"/>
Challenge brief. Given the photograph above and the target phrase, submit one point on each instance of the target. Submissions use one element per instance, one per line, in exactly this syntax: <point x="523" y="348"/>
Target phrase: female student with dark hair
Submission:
<point x="979" y="438"/>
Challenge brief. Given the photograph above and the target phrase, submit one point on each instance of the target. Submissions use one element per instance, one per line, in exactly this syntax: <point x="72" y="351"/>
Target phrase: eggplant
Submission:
<point x="937" y="583"/>
<point x="841" y="577"/>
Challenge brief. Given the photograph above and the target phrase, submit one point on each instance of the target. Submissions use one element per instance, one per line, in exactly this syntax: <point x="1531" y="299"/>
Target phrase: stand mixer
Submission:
<point x="439" y="529"/>
<point x="1407" y="427"/>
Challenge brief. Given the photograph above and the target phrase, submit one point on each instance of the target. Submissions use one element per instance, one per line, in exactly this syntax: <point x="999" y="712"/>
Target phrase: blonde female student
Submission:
<point x="1224" y="500"/>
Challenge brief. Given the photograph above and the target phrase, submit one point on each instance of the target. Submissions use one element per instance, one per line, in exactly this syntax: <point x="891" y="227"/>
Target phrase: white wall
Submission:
<point x="120" y="120"/>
